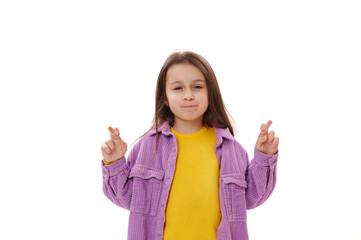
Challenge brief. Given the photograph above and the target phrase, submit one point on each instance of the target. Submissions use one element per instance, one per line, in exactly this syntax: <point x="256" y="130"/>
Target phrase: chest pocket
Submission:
<point x="147" y="183"/>
<point x="234" y="189"/>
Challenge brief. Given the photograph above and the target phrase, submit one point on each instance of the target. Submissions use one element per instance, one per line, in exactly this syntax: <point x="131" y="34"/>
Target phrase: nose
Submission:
<point x="188" y="95"/>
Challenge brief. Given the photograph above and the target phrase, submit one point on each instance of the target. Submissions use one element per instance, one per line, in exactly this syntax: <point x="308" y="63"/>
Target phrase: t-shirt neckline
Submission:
<point x="199" y="132"/>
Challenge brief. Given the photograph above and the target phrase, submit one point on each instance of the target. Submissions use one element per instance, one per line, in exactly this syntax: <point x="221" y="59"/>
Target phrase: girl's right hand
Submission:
<point x="115" y="147"/>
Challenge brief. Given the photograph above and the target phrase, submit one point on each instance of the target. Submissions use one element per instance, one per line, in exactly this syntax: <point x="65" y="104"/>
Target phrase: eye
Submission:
<point x="198" y="87"/>
<point x="177" y="88"/>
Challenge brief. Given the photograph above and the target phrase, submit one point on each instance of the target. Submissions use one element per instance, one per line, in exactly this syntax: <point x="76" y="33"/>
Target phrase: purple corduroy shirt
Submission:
<point x="144" y="190"/>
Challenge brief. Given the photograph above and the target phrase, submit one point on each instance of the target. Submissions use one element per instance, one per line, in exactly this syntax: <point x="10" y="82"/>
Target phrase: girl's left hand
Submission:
<point x="267" y="143"/>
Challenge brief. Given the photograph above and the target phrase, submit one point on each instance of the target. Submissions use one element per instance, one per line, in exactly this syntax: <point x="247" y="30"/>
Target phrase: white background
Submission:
<point x="70" y="69"/>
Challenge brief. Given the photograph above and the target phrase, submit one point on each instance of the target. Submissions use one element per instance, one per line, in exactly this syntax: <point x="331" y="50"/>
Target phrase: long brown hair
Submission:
<point x="216" y="114"/>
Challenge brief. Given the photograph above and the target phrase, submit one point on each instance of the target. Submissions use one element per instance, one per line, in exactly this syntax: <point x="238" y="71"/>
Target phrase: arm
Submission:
<point x="116" y="169"/>
<point x="261" y="178"/>
<point x="117" y="187"/>
<point x="261" y="172"/>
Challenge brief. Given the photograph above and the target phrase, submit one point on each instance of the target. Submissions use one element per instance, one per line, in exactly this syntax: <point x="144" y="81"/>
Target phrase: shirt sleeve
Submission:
<point x="117" y="187"/>
<point x="261" y="178"/>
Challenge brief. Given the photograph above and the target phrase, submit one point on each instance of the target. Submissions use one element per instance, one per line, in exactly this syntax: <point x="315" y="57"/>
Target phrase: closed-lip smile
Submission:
<point x="190" y="106"/>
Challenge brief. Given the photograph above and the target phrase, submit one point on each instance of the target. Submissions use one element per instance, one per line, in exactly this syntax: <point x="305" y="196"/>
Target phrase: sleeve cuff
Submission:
<point x="265" y="160"/>
<point x="114" y="168"/>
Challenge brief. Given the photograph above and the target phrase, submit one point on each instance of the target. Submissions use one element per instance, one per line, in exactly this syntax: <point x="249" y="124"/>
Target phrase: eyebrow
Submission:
<point x="198" y="80"/>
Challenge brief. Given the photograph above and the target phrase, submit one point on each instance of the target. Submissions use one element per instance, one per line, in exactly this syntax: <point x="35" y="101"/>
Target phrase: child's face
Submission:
<point x="186" y="91"/>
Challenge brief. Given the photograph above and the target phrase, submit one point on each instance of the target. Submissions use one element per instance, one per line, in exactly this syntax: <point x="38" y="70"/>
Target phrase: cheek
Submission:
<point x="206" y="103"/>
<point x="204" y="98"/>
<point x="167" y="99"/>
<point x="171" y="101"/>
<point x="172" y="98"/>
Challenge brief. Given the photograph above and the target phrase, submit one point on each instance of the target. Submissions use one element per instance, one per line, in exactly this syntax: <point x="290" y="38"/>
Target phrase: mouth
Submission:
<point x="191" y="106"/>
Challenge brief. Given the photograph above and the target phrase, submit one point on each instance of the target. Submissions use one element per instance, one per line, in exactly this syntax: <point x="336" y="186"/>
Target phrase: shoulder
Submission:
<point x="238" y="146"/>
<point x="230" y="143"/>
<point x="223" y="134"/>
<point x="144" y="141"/>
<point x="234" y="157"/>
<point x="143" y="146"/>
<point x="163" y="129"/>
<point x="150" y="137"/>
<point x="241" y="150"/>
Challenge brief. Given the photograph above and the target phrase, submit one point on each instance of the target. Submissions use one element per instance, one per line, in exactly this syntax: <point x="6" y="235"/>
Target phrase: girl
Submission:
<point x="188" y="177"/>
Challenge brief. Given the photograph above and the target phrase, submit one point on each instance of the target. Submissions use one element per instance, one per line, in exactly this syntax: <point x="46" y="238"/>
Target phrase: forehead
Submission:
<point x="183" y="72"/>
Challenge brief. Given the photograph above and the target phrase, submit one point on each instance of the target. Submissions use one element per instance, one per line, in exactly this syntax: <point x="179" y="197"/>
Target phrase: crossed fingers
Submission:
<point x="114" y="133"/>
<point x="267" y="142"/>
<point x="264" y="131"/>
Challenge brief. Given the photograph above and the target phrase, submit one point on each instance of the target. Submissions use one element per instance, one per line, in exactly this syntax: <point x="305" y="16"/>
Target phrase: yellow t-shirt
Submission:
<point x="193" y="210"/>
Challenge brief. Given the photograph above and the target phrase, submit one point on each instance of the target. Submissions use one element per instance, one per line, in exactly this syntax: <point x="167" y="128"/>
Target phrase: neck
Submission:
<point x="187" y="127"/>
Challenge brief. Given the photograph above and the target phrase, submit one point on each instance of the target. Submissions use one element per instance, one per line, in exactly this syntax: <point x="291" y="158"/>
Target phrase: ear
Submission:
<point x="166" y="103"/>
